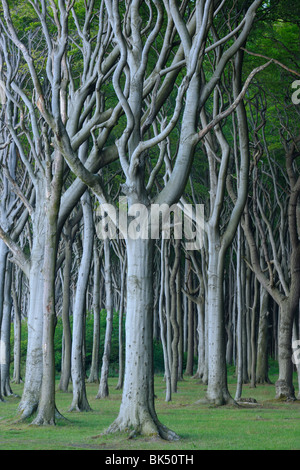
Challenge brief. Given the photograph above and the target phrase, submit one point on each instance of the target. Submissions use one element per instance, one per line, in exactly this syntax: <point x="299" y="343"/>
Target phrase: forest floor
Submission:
<point x="264" y="425"/>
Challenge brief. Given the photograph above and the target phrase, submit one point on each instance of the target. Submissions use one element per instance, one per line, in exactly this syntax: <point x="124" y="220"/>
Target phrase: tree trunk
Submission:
<point x="190" y="331"/>
<point x="296" y="344"/>
<point x="137" y="412"/>
<point x="217" y="389"/>
<point x="67" y="335"/>
<point x="262" y="340"/>
<point x="16" y="296"/>
<point x="3" y="260"/>
<point x="47" y="409"/>
<point x="121" y="313"/>
<point x="163" y="328"/>
<point x="94" y="372"/>
<point x="240" y="363"/>
<point x="103" y="391"/>
<point x="34" y="357"/>
<point x="5" y="334"/>
<point x="253" y="335"/>
<point x="80" y="401"/>
<point x="284" y="385"/>
<point x="173" y="318"/>
<point x="180" y="324"/>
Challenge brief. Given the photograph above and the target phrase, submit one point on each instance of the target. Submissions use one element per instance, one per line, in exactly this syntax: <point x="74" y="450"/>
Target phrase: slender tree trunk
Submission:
<point x="103" y="391"/>
<point x="67" y="335"/>
<point x="137" y="410"/>
<point x="94" y="372"/>
<point x="167" y="296"/>
<point x="80" y="401"/>
<point x="253" y="335"/>
<point x="190" y="333"/>
<point x="262" y="340"/>
<point x="5" y="334"/>
<point x="163" y="328"/>
<point x="180" y="324"/>
<point x="173" y="318"/>
<point x="16" y="296"/>
<point x="3" y="260"/>
<point x="121" y="313"/>
<point x="240" y="363"/>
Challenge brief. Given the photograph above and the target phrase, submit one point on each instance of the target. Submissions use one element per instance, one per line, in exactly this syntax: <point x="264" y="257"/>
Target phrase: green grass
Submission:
<point x="267" y="425"/>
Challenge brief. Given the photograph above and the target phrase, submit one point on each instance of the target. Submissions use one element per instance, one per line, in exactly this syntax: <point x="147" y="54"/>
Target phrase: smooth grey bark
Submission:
<point x="262" y="339"/>
<point x="103" y="390"/>
<point x="34" y="358"/>
<point x="217" y="388"/>
<point x="67" y="334"/>
<point x="173" y="316"/>
<point x="167" y="303"/>
<point x="200" y="302"/>
<point x="190" y="328"/>
<point x="240" y="362"/>
<point x="5" y="334"/>
<point x="94" y="372"/>
<point x="229" y="323"/>
<point x="253" y="335"/>
<point x="180" y="324"/>
<point x="80" y="401"/>
<point x="3" y="259"/>
<point x="163" y="327"/>
<point x="17" y="302"/>
<point x="123" y="266"/>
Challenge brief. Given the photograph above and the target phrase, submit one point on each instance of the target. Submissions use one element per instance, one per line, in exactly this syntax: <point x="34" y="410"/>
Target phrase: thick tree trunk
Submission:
<point x="217" y="389"/>
<point x="284" y="385"/>
<point x="137" y="412"/>
<point x="34" y="357"/>
<point x="47" y="409"/>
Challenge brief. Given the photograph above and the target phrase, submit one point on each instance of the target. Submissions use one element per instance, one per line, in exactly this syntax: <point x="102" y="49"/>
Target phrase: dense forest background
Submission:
<point x="186" y="103"/>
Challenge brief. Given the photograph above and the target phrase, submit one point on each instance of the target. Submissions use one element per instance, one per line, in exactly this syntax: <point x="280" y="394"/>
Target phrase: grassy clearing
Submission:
<point x="267" y="425"/>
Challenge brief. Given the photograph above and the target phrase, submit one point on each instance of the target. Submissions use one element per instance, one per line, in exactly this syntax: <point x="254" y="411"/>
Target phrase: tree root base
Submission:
<point x="149" y="429"/>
